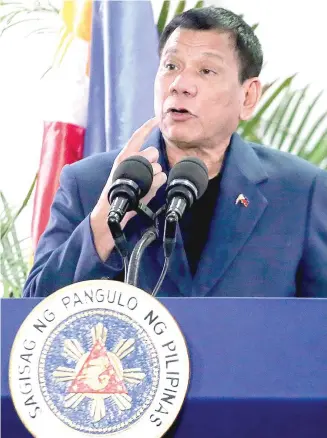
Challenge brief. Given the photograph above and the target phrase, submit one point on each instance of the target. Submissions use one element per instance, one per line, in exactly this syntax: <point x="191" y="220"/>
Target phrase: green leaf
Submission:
<point x="266" y="87"/>
<point x="4" y="230"/>
<point x="302" y="151"/>
<point x="180" y="8"/>
<point x="274" y="124"/>
<point x="13" y="14"/>
<point x="279" y="119"/>
<point x="287" y="124"/>
<point x="250" y="125"/>
<point x="199" y="4"/>
<point x="299" y="130"/>
<point x="319" y="151"/>
<point x="16" y="23"/>
<point x="41" y="31"/>
<point x="14" y="266"/>
<point x="12" y="262"/>
<point x="8" y="18"/>
<point x="46" y="72"/>
<point x="163" y="16"/>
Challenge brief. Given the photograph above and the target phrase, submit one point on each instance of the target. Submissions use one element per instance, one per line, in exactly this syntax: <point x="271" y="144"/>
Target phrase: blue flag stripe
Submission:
<point x="124" y="61"/>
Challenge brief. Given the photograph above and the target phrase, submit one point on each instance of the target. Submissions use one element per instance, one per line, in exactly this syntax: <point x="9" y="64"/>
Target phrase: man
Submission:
<point x="261" y="227"/>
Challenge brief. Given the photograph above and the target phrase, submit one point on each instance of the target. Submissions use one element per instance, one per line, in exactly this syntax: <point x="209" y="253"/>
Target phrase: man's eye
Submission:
<point x="207" y="71"/>
<point x="170" y="66"/>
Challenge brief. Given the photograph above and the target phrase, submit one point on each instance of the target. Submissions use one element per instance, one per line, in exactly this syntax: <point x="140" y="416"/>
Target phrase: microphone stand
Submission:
<point x="132" y="266"/>
<point x="149" y="236"/>
<point x="169" y="243"/>
<point x="119" y="239"/>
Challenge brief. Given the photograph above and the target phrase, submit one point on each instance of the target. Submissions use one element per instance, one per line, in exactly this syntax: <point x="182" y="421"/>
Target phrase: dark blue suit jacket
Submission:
<point x="275" y="247"/>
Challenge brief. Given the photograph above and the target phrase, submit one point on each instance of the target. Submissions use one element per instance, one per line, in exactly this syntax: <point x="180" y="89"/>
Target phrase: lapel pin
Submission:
<point x="243" y="200"/>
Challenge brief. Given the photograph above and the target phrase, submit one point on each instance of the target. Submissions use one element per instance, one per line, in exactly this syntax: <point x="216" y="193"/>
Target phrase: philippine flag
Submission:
<point x="99" y="91"/>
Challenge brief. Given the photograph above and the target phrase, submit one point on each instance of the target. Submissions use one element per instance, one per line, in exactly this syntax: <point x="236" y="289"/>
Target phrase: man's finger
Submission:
<point x="156" y="168"/>
<point x="158" y="181"/>
<point x="140" y="135"/>
<point x="151" y="154"/>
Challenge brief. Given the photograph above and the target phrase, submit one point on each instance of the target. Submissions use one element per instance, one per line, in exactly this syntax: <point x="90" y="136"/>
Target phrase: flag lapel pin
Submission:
<point x="241" y="199"/>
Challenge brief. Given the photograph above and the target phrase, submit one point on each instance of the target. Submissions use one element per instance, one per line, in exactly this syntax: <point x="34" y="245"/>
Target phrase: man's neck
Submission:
<point x="211" y="156"/>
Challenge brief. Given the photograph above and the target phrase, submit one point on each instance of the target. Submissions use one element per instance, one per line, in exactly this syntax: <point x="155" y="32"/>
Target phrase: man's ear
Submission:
<point x="252" y="93"/>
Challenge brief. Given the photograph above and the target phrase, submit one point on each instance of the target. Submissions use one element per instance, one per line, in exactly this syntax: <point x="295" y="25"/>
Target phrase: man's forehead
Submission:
<point x="212" y="43"/>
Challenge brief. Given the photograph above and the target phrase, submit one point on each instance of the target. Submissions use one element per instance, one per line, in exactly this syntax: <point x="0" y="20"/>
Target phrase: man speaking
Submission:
<point x="260" y="228"/>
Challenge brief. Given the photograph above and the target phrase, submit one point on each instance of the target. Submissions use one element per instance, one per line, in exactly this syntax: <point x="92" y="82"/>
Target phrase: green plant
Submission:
<point x="42" y="13"/>
<point x="285" y="120"/>
<point x="165" y="9"/>
<point x="14" y="264"/>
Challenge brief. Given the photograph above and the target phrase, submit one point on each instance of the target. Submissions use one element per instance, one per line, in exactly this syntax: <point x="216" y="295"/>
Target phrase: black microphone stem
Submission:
<point x="169" y="243"/>
<point x="148" y="237"/>
<point x="118" y="235"/>
<point x="162" y="276"/>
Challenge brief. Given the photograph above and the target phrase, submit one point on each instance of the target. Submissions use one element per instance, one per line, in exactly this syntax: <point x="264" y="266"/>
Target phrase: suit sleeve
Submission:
<point x="66" y="253"/>
<point x="313" y="272"/>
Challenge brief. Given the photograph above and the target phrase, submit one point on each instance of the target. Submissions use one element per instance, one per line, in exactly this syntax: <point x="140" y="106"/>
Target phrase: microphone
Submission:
<point x="131" y="181"/>
<point x="187" y="182"/>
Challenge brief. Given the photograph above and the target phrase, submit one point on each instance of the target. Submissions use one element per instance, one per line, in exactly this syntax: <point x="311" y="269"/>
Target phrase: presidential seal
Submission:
<point x="97" y="359"/>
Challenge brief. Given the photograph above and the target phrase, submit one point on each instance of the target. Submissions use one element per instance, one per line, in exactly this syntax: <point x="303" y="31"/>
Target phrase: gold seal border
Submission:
<point x="101" y="283"/>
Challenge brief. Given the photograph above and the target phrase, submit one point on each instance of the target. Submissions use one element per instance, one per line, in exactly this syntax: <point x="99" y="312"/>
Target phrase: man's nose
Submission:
<point x="183" y="84"/>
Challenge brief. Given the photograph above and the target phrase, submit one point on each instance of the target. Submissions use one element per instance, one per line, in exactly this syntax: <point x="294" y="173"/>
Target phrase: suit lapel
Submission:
<point x="232" y="224"/>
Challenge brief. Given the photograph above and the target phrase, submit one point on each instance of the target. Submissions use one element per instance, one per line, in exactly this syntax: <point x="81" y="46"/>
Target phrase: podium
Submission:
<point x="258" y="367"/>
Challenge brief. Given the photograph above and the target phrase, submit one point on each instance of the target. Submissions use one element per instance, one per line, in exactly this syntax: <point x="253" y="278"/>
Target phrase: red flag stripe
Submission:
<point x="62" y="144"/>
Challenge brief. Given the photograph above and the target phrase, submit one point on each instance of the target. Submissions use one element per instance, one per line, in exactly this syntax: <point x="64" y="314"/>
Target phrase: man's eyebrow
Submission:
<point x="170" y="51"/>
<point x="209" y="54"/>
<point x="214" y="55"/>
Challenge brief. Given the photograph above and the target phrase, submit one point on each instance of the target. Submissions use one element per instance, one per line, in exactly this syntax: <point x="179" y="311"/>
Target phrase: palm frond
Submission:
<point x="163" y="16"/>
<point x="246" y="128"/>
<point x="318" y="153"/>
<point x="306" y="117"/>
<point x="286" y="121"/>
<point x="274" y="125"/>
<point x="14" y="260"/>
<point x="303" y="148"/>
<point x="14" y="14"/>
<point x="180" y="8"/>
<point x="165" y="9"/>
<point x="12" y="217"/>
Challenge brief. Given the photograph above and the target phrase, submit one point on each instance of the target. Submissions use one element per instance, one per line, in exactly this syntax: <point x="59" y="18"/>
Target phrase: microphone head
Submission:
<point x="139" y="170"/>
<point x="193" y="170"/>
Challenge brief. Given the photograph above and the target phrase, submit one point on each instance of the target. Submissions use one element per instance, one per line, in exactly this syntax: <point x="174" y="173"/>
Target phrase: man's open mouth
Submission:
<point x="179" y="110"/>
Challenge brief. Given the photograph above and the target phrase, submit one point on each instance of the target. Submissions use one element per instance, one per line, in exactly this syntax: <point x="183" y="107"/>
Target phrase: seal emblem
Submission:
<point x="99" y="358"/>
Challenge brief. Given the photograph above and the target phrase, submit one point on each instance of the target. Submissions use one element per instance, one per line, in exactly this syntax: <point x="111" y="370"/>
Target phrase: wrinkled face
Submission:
<point x="198" y="96"/>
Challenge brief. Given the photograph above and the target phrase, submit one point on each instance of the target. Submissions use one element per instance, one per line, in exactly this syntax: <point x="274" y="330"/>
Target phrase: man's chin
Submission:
<point x="177" y="134"/>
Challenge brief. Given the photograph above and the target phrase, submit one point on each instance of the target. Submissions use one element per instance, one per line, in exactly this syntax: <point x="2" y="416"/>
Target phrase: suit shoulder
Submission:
<point x="284" y="164"/>
<point x="90" y="175"/>
<point x="94" y="169"/>
<point x="97" y="163"/>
